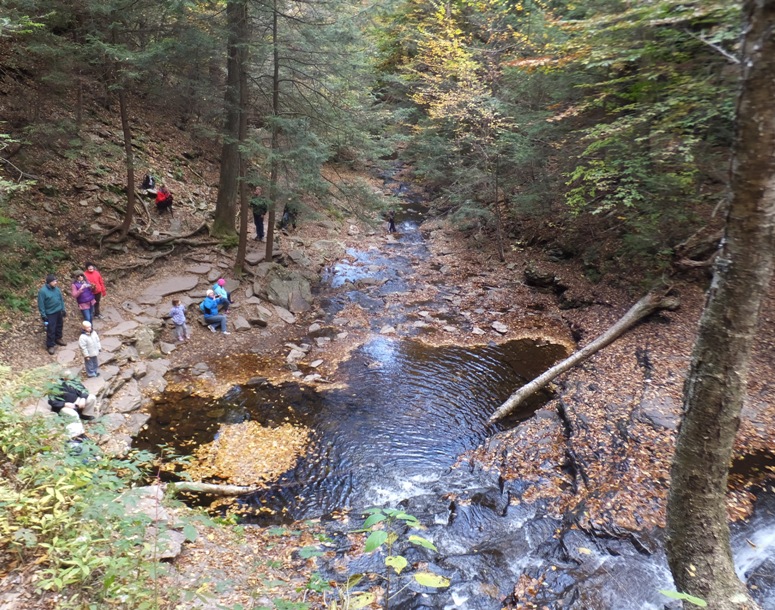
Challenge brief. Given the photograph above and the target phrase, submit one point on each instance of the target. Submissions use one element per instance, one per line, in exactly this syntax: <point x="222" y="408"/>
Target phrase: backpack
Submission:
<point x="202" y="307"/>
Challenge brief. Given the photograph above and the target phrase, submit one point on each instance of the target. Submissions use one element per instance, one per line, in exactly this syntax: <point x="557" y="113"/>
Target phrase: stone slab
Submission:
<point x="172" y="285"/>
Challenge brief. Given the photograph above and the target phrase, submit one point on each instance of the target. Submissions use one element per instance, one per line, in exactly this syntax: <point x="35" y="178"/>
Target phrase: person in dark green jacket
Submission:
<point x="51" y="305"/>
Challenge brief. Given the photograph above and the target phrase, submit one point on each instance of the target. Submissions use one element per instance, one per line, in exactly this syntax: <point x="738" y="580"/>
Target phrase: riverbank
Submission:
<point x="598" y="452"/>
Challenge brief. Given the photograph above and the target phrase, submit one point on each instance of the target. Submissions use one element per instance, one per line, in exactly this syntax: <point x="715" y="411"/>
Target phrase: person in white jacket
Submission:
<point x="89" y="342"/>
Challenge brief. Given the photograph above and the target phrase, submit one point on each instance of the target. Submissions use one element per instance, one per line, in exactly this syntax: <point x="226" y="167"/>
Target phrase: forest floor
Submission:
<point x="621" y="407"/>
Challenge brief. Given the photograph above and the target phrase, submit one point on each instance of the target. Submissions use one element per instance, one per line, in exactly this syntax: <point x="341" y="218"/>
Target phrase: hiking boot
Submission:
<point x="60" y="342"/>
<point x="51" y="350"/>
<point x="212" y="329"/>
<point x="226" y="332"/>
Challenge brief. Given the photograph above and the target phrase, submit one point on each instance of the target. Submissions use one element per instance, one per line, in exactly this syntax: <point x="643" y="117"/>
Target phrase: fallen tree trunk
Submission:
<point x="210" y="488"/>
<point x="653" y="301"/>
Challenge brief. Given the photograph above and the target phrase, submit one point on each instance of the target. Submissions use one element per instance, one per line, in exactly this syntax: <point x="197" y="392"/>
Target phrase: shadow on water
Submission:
<point x="407" y="412"/>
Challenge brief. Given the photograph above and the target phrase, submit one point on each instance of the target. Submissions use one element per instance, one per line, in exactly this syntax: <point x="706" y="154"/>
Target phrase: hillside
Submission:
<point x="621" y="408"/>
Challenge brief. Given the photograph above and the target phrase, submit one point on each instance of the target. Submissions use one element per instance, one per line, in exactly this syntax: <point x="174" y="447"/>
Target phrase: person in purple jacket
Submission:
<point x="83" y="293"/>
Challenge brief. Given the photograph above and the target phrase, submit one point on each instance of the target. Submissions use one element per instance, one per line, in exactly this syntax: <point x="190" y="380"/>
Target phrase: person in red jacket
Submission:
<point x="94" y="277"/>
<point x="163" y="200"/>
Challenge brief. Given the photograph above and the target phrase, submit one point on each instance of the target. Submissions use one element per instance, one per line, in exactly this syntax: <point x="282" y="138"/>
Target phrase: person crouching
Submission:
<point x="72" y="401"/>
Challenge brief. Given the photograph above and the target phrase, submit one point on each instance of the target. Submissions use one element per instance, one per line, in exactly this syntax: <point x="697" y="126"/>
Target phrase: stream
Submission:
<point x="391" y="435"/>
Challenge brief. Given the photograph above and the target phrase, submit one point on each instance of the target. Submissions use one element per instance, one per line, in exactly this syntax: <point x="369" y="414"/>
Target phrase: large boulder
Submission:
<point x="287" y="288"/>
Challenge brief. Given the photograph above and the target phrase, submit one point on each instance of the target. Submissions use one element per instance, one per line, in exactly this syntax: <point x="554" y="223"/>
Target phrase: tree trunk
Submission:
<point x="244" y="35"/>
<point x="653" y="301"/>
<point x="274" y="161"/>
<point x="225" y="205"/>
<point x="698" y="534"/>
<point x="209" y="488"/>
<point x="130" y="165"/>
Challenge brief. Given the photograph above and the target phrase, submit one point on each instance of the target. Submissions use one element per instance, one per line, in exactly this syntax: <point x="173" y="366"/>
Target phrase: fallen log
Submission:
<point x="655" y="300"/>
<point x="210" y="488"/>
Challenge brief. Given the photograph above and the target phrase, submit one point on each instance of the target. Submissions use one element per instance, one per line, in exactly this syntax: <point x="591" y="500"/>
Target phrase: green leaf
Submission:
<point x="361" y="599"/>
<point x="375" y="540"/>
<point x="310" y="551"/>
<point x="375" y="518"/>
<point x="397" y="562"/>
<point x="423" y="542"/>
<point x="353" y="581"/>
<point x="429" y="579"/>
<point x="685" y="597"/>
<point x="189" y="531"/>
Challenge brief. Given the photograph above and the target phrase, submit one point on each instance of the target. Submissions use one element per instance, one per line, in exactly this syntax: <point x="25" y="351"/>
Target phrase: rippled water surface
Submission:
<point x="407" y="413"/>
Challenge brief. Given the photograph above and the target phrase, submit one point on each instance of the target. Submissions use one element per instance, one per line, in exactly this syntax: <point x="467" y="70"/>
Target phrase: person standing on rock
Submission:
<point x="178" y="315"/>
<point x="259" y="206"/>
<point x="83" y="294"/>
<point x="391" y="218"/>
<point x="209" y="307"/>
<point x="89" y="342"/>
<point x="94" y="277"/>
<point x="51" y="305"/>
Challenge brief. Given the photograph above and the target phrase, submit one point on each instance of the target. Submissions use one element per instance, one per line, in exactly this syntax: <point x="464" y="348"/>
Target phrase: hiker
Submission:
<point x="163" y="200"/>
<point x="89" y="342"/>
<point x="289" y="216"/>
<point x="71" y="400"/>
<point x="219" y="288"/>
<point x="391" y="218"/>
<point x="148" y="183"/>
<point x="51" y="305"/>
<point x="178" y="315"/>
<point x="259" y="206"/>
<point x="94" y="277"/>
<point x="83" y="293"/>
<point x="209" y="307"/>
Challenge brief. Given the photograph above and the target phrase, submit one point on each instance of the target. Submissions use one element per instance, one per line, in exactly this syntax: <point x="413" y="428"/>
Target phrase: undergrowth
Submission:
<point x="62" y="518"/>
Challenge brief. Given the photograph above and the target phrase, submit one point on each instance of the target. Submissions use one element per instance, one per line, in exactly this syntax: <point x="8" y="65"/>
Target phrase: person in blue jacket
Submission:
<point x="51" y="306"/>
<point x="209" y="307"/>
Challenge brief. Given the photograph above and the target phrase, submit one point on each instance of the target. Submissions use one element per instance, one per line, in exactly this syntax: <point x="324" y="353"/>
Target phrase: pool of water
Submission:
<point x="405" y="415"/>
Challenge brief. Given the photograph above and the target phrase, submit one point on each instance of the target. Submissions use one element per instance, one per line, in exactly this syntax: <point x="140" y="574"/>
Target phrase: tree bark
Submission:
<point x="698" y="547"/>
<point x="274" y="154"/>
<point x="130" y="164"/>
<point x="226" y="204"/>
<point x="653" y="301"/>
<point x="244" y="35"/>
<point x="210" y="488"/>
